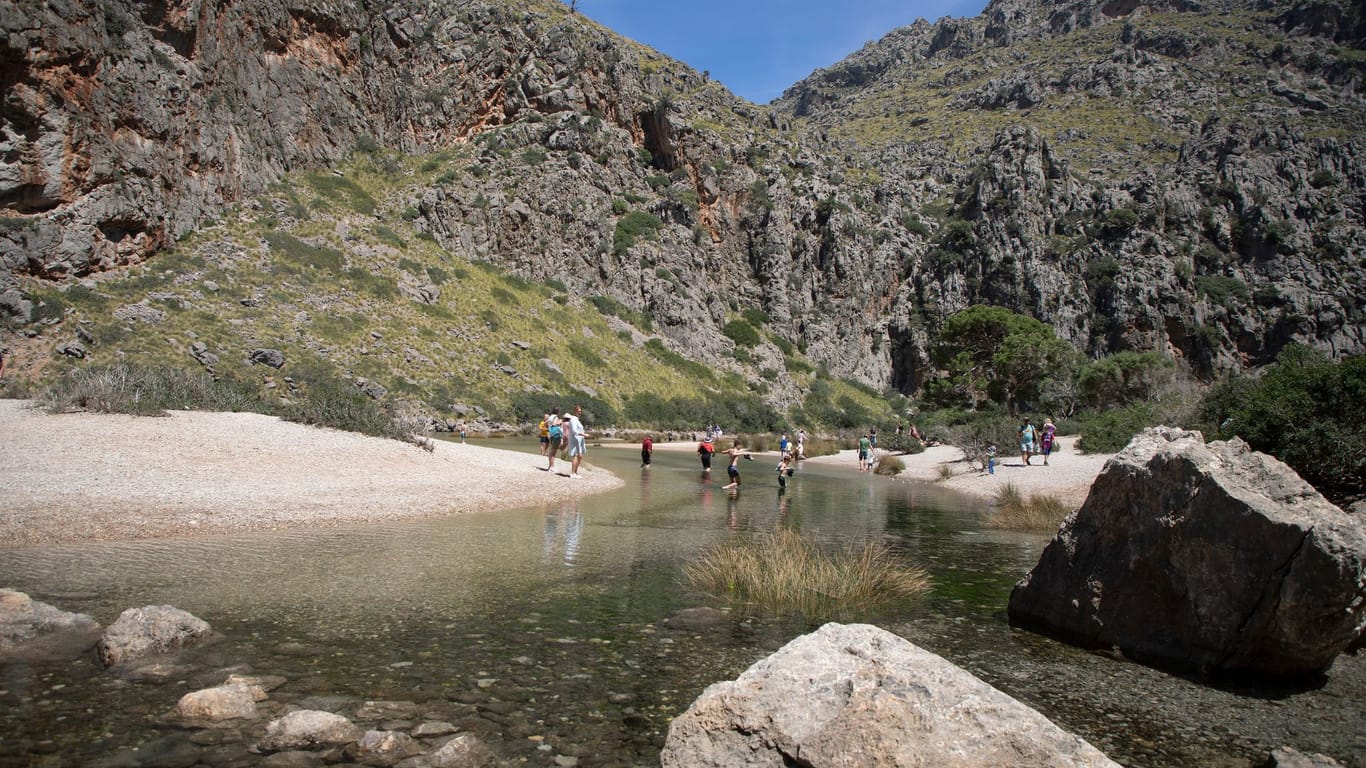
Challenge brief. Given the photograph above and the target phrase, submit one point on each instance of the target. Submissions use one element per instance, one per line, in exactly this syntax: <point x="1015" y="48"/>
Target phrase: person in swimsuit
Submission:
<point x="735" y="452"/>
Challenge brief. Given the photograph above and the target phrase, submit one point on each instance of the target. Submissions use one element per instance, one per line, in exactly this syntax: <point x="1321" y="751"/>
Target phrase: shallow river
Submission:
<point x="566" y="631"/>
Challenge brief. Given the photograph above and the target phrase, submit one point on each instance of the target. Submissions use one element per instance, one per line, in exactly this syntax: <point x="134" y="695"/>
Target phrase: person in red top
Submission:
<point x="647" y="448"/>
<point x="704" y="451"/>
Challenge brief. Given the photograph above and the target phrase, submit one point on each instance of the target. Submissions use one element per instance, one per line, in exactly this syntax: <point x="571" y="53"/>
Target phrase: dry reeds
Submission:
<point x="786" y="574"/>
<point x="887" y="464"/>
<point x="1014" y="511"/>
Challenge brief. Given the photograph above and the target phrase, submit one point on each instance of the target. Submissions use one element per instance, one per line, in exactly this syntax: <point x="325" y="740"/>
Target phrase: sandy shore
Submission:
<point x="88" y="476"/>
<point x="1068" y="475"/>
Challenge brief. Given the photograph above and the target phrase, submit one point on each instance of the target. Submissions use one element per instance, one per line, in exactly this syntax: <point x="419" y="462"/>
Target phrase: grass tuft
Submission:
<point x="888" y="464"/>
<point x="1014" y="511"/>
<point x="787" y="574"/>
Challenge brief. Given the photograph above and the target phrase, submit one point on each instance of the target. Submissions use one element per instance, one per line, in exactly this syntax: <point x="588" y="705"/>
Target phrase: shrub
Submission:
<point x="741" y="332"/>
<point x="146" y="392"/>
<point x="632" y="227"/>
<point x="787" y="574"/>
<point x="1305" y="410"/>
<point x="1109" y="431"/>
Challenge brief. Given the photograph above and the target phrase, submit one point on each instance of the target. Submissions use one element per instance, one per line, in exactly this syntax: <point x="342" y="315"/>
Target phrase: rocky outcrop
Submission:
<point x="155" y="629"/>
<point x="31" y="630"/>
<point x="1211" y="558"/>
<point x="858" y="695"/>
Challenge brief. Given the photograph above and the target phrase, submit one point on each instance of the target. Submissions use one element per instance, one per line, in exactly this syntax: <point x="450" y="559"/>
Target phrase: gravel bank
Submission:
<point x="90" y="476"/>
<point x="1068" y="476"/>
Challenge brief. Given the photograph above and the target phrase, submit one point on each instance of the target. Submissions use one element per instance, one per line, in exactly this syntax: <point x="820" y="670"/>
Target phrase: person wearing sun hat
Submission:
<point x="577" y="440"/>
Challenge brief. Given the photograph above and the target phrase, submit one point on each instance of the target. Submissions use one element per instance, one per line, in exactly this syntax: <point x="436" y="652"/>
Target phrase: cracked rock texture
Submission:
<point x="1205" y="557"/>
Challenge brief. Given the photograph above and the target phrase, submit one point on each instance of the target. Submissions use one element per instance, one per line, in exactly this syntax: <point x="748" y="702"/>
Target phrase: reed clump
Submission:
<point x="787" y="574"/>
<point x="887" y="464"/>
<point x="1012" y="510"/>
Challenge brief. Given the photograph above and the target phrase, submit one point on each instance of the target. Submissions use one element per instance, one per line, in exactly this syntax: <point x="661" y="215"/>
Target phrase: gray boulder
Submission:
<point x="859" y="695"/>
<point x="154" y="629"/>
<point x="31" y="630"/>
<point x="271" y="357"/>
<point x="309" y="729"/>
<point x="1212" y="558"/>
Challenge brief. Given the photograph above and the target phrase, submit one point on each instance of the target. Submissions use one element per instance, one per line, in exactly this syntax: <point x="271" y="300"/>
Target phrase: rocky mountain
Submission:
<point x="1175" y="176"/>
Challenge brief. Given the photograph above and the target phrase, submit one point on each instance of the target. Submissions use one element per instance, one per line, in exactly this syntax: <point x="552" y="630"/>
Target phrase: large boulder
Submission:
<point x="154" y="629"/>
<point x="1211" y="558"/>
<point x="858" y="695"/>
<point x="31" y="630"/>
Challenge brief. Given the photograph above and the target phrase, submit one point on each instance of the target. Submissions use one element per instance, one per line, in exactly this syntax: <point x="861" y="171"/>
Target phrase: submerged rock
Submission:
<point x="223" y="702"/>
<point x="154" y="629"/>
<point x="1213" y="558"/>
<point x="859" y="695"/>
<point x="309" y="729"/>
<point x="31" y="630"/>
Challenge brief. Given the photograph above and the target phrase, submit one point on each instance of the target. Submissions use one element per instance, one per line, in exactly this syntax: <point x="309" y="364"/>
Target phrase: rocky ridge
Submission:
<point x="1226" y="224"/>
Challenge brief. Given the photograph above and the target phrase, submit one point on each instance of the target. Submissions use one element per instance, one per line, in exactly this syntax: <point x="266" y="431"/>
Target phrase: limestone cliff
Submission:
<point x="1175" y="176"/>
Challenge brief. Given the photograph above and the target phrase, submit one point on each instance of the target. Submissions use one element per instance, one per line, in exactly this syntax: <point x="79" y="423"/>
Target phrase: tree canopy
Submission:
<point x="991" y="353"/>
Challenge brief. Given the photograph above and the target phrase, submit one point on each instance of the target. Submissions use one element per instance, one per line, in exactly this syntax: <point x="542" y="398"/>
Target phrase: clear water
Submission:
<point x="565" y="629"/>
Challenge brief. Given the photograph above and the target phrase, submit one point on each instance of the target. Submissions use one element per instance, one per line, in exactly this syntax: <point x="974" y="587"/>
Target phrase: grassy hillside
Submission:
<point x="329" y="268"/>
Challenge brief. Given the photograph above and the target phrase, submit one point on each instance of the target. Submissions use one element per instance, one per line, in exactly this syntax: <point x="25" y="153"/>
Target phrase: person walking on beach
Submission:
<point x="578" y="437"/>
<point x="543" y="433"/>
<point x="555" y="433"/>
<point x="865" y="448"/>
<point x="704" y="451"/>
<point x="733" y="471"/>
<point x="1028" y="436"/>
<point x="647" y="449"/>
<point x="1046" y="442"/>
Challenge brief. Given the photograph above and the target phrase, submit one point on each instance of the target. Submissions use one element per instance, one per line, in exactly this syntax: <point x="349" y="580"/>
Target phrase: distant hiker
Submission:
<point x="865" y="448"/>
<point x="872" y="436"/>
<point x="704" y="451"/>
<point x="1028" y="436"/>
<point x="647" y="449"/>
<point x="1046" y="444"/>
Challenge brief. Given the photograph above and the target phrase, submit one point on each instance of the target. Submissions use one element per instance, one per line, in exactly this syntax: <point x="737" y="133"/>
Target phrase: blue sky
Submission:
<point x="757" y="48"/>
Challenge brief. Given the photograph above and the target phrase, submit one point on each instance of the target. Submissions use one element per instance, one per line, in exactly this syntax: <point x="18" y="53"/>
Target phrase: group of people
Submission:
<point x="789" y="454"/>
<point x="564" y="433"/>
<point x="1036" y="440"/>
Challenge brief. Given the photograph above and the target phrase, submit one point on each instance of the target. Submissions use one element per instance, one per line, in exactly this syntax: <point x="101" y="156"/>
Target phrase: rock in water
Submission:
<point x="858" y="695"/>
<point x="151" y="630"/>
<point x="35" y="631"/>
<point x="1213" y="558"/>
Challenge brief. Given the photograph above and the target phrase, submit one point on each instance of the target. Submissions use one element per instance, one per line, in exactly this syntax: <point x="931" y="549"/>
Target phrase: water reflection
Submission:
<point x="563" y="526"/>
